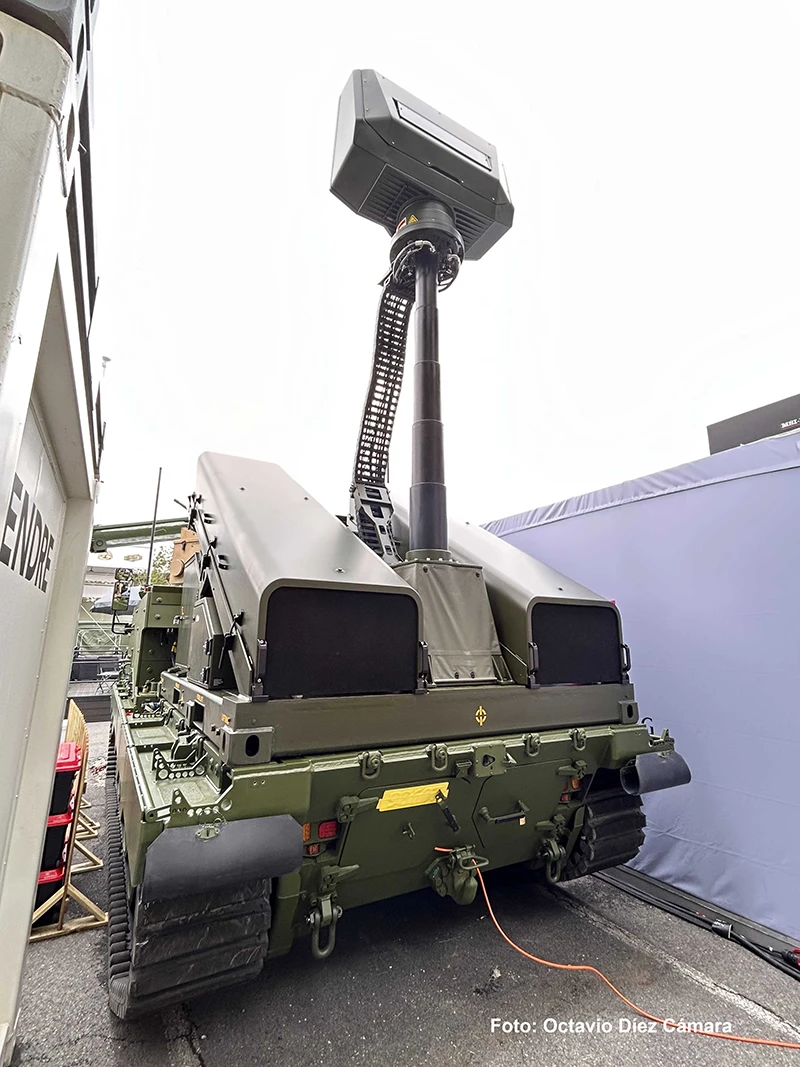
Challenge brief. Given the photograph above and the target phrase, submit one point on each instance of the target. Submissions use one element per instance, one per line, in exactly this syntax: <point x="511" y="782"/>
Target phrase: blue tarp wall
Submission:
<point x="703" y="561"/>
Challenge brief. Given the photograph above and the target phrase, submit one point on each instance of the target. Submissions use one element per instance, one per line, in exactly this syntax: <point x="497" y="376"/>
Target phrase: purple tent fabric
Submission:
<point x="703" y="561"/>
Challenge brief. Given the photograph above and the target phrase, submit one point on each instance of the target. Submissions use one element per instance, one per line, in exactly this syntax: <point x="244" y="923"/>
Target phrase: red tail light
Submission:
<point x="328" y="829"/>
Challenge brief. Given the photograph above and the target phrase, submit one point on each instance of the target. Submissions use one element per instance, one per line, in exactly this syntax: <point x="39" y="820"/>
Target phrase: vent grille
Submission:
<point x="577" y="644"/>
<point x="391" y="191"/>
<point x="340" y="642"/>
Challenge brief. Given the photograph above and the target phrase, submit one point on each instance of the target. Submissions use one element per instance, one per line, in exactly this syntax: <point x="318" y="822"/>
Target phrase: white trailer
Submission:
<point x="50" y="426"/>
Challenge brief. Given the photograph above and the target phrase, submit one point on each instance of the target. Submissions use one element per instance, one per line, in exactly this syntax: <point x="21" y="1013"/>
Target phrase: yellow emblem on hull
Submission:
<point x="480" y="715"/>
<point x="413" y="796"/>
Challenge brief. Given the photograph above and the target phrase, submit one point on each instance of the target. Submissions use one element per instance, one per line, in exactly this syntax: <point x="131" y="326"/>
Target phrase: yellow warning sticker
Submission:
<point x="480" y="715"/>
<point x="225" y="719"/>
<point x="412" y="218"/>
<point x="412" y="797"/>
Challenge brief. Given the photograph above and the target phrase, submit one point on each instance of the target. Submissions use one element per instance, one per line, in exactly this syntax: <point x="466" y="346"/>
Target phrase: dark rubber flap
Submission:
<point x="180" y="863"/>
<point x="655" y="770"/>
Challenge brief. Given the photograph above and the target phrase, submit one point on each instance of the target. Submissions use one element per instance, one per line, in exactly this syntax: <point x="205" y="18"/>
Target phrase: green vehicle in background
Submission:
<point x="327" y="701"/>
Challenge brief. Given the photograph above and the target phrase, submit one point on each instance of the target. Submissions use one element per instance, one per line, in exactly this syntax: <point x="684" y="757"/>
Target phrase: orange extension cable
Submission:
<point x="613" y="988"/>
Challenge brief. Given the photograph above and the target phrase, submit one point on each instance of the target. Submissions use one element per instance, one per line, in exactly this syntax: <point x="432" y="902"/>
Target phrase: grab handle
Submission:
<point x="513" y="816"/>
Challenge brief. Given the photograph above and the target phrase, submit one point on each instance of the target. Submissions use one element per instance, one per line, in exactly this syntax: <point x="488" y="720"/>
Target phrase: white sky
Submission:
<point x="649" y="284"/>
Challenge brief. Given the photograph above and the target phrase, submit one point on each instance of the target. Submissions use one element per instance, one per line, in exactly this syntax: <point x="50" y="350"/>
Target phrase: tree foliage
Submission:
<point x="160" y="571"/>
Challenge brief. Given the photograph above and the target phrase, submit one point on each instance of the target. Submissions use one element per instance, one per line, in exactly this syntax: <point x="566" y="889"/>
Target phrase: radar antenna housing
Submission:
<point x="438" y="190"/>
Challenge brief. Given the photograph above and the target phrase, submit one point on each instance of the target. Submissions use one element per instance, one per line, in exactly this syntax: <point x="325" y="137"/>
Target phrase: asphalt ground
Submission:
<point x="419" y="980"/>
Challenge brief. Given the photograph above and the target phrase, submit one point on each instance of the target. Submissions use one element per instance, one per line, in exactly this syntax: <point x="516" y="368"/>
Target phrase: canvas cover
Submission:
<point x="703" y="561"/>
<point x="459" y="628"/>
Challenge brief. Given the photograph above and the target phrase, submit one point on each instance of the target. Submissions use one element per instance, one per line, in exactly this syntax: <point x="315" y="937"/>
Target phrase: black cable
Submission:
<point x="402" y="269"/>
<point x="777" y="957"/>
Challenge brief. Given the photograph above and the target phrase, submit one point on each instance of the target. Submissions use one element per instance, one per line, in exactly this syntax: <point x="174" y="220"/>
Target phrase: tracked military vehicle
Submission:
<point x="328" y="700"/>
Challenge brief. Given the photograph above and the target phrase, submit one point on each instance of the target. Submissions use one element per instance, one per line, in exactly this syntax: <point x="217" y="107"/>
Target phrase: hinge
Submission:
<point x="330" y="876"/>
<point x="577" y="769"/>
<point x="349" y="807"/>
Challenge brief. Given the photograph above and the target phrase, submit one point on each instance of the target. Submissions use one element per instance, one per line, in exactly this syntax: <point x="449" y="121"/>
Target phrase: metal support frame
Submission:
<point x="426" y="254"/>
<point x="427" y="530"/>
<point x="134" y="533"/>
<point x="94" y="916"/>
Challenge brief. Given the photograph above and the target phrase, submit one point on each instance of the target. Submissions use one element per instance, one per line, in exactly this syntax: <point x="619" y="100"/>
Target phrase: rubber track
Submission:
<point x="181" y="948"/>
<point x="612" y="832"/>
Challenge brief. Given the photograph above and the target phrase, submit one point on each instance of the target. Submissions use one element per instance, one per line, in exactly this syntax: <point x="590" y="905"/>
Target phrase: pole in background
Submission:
<point x="153" y="531"/>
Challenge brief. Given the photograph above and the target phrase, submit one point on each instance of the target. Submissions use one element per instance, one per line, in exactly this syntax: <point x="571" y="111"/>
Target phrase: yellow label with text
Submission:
<point x="412" y="797"/>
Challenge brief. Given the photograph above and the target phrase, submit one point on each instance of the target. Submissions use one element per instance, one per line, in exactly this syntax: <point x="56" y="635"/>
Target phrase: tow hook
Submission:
<point x="554" y="859"/>
<point x="324" y="914"/>
<point x="453" y="874"/>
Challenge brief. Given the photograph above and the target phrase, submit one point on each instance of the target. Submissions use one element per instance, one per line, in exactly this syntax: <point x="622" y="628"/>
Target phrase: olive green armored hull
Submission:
<point x="304" y="728"/>
<point x="350" y="827"/>
<point x="339" y="710"/>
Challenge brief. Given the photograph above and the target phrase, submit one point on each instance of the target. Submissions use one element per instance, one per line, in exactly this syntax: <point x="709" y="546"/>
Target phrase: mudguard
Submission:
<point x="183" y="858"/>
<point x="651" y="771"/>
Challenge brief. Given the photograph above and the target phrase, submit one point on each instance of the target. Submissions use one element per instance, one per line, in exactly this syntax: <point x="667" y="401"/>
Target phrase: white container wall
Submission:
<point x="49" y="431"/>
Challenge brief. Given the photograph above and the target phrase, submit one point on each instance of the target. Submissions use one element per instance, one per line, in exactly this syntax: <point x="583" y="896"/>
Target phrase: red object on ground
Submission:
<point x="45" y="877"/>
<point x="68" y="762"/>
<point x="59" y="820"/>
<point x="54" y="838"/>
<point x="48" y="883"/>
<point x="69" y="757"/>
